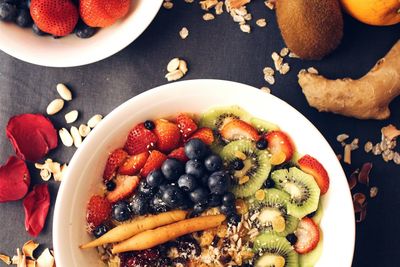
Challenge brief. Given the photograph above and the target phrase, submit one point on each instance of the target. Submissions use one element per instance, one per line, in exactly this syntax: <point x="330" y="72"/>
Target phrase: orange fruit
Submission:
<point x="374" y="12"/>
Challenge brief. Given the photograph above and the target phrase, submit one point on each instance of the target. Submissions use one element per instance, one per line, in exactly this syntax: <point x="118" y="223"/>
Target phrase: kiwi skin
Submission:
<point x="311" y="28"/>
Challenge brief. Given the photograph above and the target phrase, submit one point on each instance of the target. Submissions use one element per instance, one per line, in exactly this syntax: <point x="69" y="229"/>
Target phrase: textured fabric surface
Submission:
<point x="214" y="49"/>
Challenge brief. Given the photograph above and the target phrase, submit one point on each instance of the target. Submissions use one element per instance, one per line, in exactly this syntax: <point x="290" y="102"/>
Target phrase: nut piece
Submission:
<point x="208" y="16"/>
<point x="76" y="136"/>
<point x="174" y="75"/>
<point x="66" y="137"/>
<point x="71" y="116"/>
<point x="55" y="106"/>
<point x="64" y="92"/>
<point x="93" y="121"/>
<point x="184" y="33"/>
<point x="173" y="65"/>
<point x="245" y="28"/>
<point x="45" y="259"/>
<point x="183" y="66"/>
<point x="84" y="130"/>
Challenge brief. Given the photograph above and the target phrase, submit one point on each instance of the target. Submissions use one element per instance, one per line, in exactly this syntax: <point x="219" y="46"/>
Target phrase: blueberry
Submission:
<point x="292" y="238"/>
<point x="237" y="164"/>
<point x="172" y="169"/>
<point x="228" y="199"/>
<point x="38" y="31"/>
<point x="199" y="208"/>
<point x="187" y="182"/>
<point x="110" y="185"/>
<point x="204" y="179"/>
<point x="149" y="125"/>
<point x="213" y="163"/>
<point x="84" y="31"/>
<point x="121" y="211"/>
<point x="24" y="18"/>
<point x="219" y="182"/>
<point x="269" y="183"/>
<point x="139" y="204"/>
<point x="157" y="205"/>
<point x="8" y="11"/>
<point x="262" y="144"/>
<point x="173" y="196"/>
<point x="214" y="201"/>
<point x="145" y="189"/>
<point x="100" y="230"/>
<point x="312" y="214"/>
<point x="195" y="149"/>
<point x="195" y="168"/>
<point x="234" y="219"/>
<point x="155" y="178"/>
<point x="199" y="195"/>
<point x="227" y="210"/>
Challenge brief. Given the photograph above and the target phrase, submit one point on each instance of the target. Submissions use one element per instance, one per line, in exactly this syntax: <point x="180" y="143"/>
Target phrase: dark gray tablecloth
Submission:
<point x="214" y="49"/>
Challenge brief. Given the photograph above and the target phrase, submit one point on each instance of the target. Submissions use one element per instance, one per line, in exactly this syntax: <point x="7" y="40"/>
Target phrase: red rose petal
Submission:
<point x="14" y="179"/>
<point x="32" y="136"/>
<point x="36" y="206"/>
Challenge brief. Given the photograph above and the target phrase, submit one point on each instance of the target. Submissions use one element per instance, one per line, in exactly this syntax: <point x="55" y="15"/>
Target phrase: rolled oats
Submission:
<point x="284" y="52"/>
<point x="368" y="146"/>
<point x="184" y="33"/>
<point x="245" y="28"/>
<point x="208" y="16"/>
<point x="261" y="23"/>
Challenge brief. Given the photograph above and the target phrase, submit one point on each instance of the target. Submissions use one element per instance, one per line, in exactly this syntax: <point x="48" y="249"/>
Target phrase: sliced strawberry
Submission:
<point x="140" y="140"/>
<point x="186" y="125"/>
<point x="279" y="142"/>
<point x="178" y="154"/>
<point x="154" y="162"/>
<point x="98" y="211"/>
<point x="307" y="234"/>
<point x="238" y="129"/>
<point x="204" y="134"/>
<point x="168" y="135"/>
<point x="125" y="185"/>
<point x="312" y="166"/>
<point x="133" y="164"/>
<point x="115" y="159"/>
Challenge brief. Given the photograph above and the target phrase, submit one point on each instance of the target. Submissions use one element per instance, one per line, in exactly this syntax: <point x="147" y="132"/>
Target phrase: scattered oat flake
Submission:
<point x="284" y="52"/>
<point x="269" y="79"/>
<point x="293" y="55"/>
<point x="245" y="28"/>
<point x="347" y="154"/>
<point x="354" y="144"/>
<point x="261" y="23"/>
<point x="265" y="90"/>
<point x="373" y="192"/>
<point x="219" y="8"/>
<point x="368" y="147"/>
<point x="208" y="16"/>
<point x="189" y="1"/>
<point x="376" y="150"/>
<point x="268" y="71"/>
<point x="390" y="132"/>
<point x="285" y="68"/>
<point x="184" y="33"/>
<point x="342" y="137"/>
<point x="312" y="70"/>
<point x="396" y="158"/>
<point x="168" y="5"/>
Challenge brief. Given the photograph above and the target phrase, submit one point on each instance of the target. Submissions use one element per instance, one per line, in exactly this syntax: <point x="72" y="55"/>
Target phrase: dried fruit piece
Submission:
<point x="36" y="206"/>
<point x="363" y="176"/>
<point x="32" y="136"/>
<point x="14" y="179"/>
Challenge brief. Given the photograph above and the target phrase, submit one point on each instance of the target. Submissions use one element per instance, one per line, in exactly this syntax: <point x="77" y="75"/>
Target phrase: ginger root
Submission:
<point x="365" y="98"/>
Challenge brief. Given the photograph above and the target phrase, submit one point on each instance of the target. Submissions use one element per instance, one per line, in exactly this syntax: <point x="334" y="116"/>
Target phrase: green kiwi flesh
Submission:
<point x="215" y="118"/>
<point x="263" y="126"/>
<point x="257" y="166"/>
<point x="268" y="245"/>
<point x="302" y="188"/>
<point x="274" y="203"/>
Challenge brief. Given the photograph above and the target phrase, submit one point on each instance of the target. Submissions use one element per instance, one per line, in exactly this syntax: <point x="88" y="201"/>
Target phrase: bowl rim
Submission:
<point x="57" y="236"/>
<point x="152" y="7"/>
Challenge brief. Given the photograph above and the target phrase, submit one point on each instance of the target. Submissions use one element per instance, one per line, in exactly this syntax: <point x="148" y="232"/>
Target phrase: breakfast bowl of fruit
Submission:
<point x="204" y="173"/>
<point x="67" y="33"/>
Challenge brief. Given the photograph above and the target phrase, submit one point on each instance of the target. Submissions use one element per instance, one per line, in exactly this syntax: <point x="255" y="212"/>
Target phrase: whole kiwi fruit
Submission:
<point x="310" y="28"/>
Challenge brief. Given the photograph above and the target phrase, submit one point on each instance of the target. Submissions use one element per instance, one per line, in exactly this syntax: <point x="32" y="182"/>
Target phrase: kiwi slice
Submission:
<point x="274" y="204"/>
<point x="256" y="166"/>
<point x="263" y="126"/>
<point x="312" y="257"/>
<point x="270" y="249"/>
<point x="217" y="117"/>
<point x="302" y="188"/>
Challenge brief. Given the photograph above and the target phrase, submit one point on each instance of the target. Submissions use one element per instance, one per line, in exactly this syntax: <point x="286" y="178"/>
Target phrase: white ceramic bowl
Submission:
<point x="86" y="167"/>
<point x="72" y="51"/>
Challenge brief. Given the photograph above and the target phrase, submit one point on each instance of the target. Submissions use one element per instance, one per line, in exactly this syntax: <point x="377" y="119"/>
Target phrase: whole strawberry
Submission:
<point x="103" y="13"/>
<point x="56" y="17"/>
